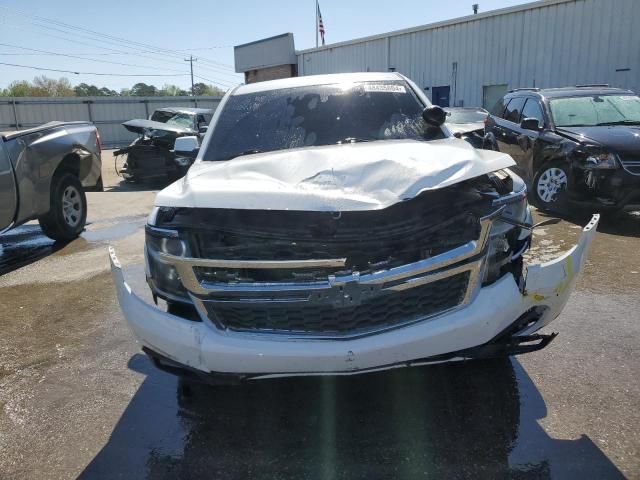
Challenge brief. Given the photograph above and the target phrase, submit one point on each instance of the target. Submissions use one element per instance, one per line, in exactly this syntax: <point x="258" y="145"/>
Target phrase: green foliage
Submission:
<point x="172" y="91"/>
<point x="40" y="87"/>
<point x="85" y="90"/>
<point x="202" y="89"/>
<point x="50" y="87"/>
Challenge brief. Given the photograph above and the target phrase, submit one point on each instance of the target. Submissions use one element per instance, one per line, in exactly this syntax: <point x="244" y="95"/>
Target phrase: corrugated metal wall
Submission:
<point x="106" y="112"/>
<point x="547" y="44"/>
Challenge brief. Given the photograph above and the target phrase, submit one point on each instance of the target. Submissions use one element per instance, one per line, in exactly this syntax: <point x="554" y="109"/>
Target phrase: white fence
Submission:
<point x="107" y="113"/>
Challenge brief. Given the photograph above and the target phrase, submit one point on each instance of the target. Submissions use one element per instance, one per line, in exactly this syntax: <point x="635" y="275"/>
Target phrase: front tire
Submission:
<point x="550" y="186"/>
<point x="67" y="214"/>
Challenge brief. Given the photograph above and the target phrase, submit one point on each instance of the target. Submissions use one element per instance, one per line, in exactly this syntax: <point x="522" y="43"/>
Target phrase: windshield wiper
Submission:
<point x="620" y="122"/>
<point x="251" y="151"/>
<point x="353" y="140"/>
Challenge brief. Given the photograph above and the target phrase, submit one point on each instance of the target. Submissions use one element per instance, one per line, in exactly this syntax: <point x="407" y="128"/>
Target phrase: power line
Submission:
<point x="103" y="35"/>
<point x="82" y="58"/>
<point x="119" y="43"/>
<point x="96" y="73"/>
<point x="222" y="83"/>
<point x="213" y="69"/>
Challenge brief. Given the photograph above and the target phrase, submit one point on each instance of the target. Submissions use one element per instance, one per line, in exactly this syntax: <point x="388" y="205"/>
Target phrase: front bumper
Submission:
<point x="201" y="347"/>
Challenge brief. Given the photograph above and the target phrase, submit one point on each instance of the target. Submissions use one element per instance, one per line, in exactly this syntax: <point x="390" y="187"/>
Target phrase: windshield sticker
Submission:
<point x="378" y="87"/>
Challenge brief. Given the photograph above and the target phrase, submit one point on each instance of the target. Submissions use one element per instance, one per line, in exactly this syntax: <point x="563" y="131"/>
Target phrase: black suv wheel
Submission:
<point x="550" y="185"/>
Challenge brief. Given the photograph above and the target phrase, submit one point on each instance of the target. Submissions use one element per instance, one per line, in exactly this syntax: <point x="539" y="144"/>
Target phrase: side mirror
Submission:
<point x="530" y="124"/>
<point x="186" y="147"/>
<point x="203" y="129"/>
<point x="434" y="115"/>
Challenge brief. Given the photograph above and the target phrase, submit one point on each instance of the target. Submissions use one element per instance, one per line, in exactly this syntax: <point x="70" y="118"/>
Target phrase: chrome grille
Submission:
<point x="385" y="310"/>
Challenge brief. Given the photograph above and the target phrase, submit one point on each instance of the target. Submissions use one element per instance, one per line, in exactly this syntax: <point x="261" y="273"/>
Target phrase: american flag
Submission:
<point x="320" y="24"/>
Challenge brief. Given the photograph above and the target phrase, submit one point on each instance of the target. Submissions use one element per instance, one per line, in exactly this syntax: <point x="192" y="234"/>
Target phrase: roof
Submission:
<point x="572" y="91"/>
<point x="184" y="110"/>
<point x="328" y="79"/>
<point x="445" y="23"/>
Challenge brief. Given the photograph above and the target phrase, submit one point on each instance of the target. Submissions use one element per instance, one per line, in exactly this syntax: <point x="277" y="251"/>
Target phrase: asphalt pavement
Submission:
<point x="79" y="399"/>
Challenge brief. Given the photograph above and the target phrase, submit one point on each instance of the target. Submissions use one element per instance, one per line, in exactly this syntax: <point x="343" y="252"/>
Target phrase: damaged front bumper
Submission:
<point x="500" y="319"/>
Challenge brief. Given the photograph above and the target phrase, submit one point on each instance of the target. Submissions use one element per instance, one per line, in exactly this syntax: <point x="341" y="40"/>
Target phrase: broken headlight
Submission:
<point x="601" y="160"/>
<point x="163" y="277"/>
<point x="507" y="242"/>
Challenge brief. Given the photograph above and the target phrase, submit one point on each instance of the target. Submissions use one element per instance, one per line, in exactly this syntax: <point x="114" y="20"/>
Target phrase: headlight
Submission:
<point x="163" y="277"/>
<point x="602" y="160"/>
<point x="507" y="242"/>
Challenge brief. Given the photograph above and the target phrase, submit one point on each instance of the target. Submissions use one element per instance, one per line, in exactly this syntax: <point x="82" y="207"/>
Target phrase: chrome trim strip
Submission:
<point x="185" y="268"/>
<point x="257" y="264"/>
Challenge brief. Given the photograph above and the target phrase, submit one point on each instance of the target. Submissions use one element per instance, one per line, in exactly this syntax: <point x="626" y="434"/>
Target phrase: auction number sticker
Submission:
<point x="381" y="87"/>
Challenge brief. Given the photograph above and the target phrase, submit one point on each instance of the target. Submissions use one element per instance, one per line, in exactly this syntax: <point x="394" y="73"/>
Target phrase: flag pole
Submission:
<point x="316" y="23"/>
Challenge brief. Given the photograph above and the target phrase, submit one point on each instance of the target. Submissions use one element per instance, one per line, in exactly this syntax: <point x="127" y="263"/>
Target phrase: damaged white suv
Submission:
<point x="332" y="225"/>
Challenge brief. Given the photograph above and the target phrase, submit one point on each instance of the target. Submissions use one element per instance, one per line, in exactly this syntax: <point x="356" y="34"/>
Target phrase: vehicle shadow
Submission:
<point x="24" y="245"/>
<point x="621" y="224"/>
<point x="472" y="420"/>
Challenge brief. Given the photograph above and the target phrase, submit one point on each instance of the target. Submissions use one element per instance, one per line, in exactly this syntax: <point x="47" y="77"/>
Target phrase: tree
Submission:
<point x="17" y="88"/>
<point x="172" y="91"/>
<point x="106" y="92"/>
<point x="144" y="90"/>
<point x="50" y="87"/>
<point x="85" y="90"/>
<point x="202" y="89"/>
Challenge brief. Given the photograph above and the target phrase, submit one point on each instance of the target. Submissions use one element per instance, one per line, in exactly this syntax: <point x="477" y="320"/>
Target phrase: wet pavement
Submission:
<point x="78" y="399"/>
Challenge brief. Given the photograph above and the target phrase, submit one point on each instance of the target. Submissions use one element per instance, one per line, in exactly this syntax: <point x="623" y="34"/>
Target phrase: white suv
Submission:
<point x="332" y="224"/>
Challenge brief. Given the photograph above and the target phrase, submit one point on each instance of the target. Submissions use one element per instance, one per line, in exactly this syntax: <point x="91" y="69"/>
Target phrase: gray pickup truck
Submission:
<point x="44" y="172"/>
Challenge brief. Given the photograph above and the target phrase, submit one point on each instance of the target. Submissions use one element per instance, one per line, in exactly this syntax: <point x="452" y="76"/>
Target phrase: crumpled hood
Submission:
<point x="143" y="126"/>
<point x="362" y="176"/>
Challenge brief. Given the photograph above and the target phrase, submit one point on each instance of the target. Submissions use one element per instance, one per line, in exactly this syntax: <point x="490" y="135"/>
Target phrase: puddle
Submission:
<point x="114" y="231"/>
<point x="23" y="245"/>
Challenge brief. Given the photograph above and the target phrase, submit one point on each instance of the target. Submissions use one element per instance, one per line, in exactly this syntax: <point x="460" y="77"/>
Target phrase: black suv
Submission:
<point x="572" y="145"/>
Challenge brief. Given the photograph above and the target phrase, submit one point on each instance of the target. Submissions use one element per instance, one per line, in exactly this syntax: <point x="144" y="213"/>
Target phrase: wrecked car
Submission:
<point x="44" y="173"/>
<point x="151" y="155"/>
<point x="333" y="225"/>
<point x="575" y="146"/>
<point x="467" y="123"/>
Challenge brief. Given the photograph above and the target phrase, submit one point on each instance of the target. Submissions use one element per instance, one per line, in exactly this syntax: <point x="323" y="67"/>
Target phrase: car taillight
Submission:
<point x="98" y="142"/>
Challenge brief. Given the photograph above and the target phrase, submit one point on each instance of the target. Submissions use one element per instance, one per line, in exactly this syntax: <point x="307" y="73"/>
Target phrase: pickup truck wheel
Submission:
<point x="68" y="209"/>
<point x="550" y="186"/>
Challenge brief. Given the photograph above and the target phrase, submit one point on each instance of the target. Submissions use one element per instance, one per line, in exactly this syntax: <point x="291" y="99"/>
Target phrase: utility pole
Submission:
<point x="191" y="60"/>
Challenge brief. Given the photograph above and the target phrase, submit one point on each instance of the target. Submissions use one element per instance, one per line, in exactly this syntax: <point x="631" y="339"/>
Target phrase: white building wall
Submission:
<point x="544" y="44"/>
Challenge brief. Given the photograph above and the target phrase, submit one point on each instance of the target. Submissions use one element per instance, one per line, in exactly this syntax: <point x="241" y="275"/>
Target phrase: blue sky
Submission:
<point x="208" y="30"/>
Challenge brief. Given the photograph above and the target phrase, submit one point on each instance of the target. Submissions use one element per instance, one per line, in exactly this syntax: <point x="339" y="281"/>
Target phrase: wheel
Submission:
<point x="68" y="209"/>
<point x="550" y="185"/>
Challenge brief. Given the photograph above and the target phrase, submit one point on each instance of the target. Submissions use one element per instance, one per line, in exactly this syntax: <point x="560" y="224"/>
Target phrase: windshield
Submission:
<point x="181" y="120"/>
<point x="595" y="110"/>
<point x="466" y="116"/>
<point x="318" y="115"/>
